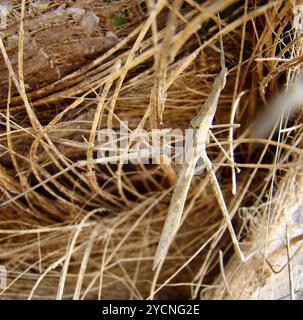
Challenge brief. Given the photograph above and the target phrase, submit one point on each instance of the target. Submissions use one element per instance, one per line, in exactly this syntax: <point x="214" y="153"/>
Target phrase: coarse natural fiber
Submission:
<point x="70" y="68"/>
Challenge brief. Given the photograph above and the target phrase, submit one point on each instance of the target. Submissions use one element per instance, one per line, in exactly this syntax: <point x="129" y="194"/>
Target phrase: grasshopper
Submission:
<point x="201" y="124"/>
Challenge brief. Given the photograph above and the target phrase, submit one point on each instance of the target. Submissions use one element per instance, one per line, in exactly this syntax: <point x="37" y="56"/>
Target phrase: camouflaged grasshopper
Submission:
<point x="201" y="124"/>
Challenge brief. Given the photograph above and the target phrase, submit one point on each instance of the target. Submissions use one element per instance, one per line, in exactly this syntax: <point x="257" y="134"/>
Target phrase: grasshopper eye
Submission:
<point x="200" y="167"/>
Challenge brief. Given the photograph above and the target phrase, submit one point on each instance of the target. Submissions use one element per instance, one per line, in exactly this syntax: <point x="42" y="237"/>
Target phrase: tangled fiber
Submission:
<point x="70" y="68"/>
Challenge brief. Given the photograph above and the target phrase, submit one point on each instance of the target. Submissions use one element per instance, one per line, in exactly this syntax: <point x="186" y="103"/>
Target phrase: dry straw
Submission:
<point x="75" y="228"/>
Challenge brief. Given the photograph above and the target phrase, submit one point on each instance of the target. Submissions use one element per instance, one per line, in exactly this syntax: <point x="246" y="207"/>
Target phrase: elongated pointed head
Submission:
<point x="220" y="81"/>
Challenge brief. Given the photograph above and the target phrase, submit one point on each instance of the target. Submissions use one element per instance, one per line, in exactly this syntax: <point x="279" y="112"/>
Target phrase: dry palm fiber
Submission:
<point x="91" y="232"/>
